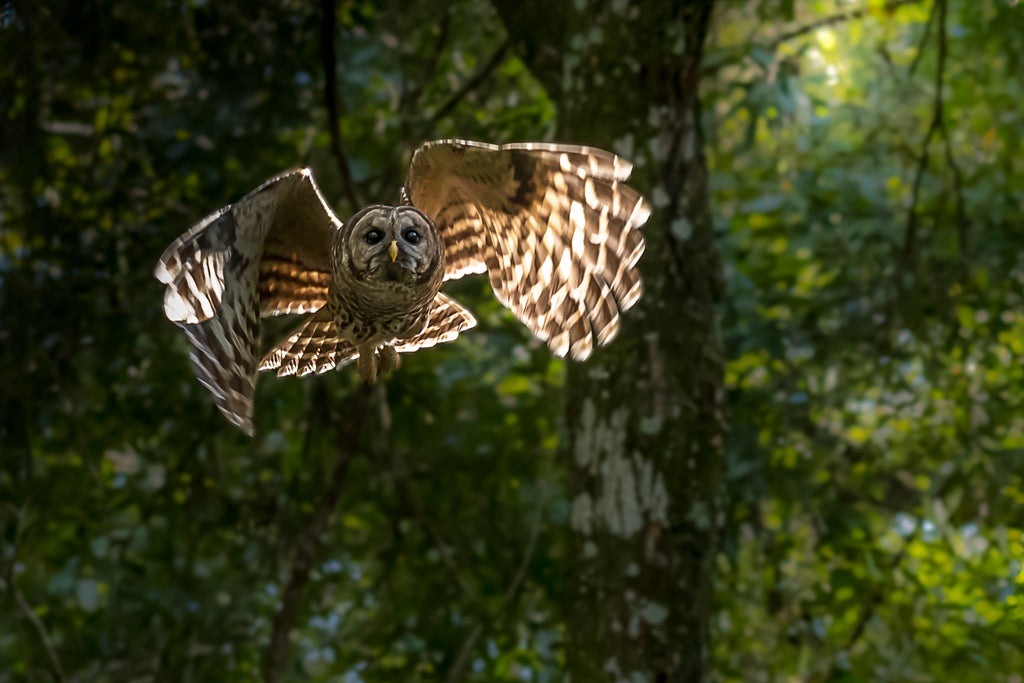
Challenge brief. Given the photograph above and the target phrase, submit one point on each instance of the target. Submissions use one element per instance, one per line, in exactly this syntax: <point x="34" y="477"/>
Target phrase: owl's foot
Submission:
<point x="366" y="364"/>
<point x="388" y="360"/>
<point x="374" y="363"/>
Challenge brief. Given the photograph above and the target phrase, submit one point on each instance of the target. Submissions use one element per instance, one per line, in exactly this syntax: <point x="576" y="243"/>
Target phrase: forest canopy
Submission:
<point x="802" y="459"/>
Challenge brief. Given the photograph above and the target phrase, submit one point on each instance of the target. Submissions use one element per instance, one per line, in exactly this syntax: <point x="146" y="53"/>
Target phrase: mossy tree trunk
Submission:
<point x="645" y="414"/>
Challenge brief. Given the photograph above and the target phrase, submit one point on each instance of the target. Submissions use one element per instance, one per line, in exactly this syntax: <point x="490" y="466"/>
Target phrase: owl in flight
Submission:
<point x="555" y="228"/>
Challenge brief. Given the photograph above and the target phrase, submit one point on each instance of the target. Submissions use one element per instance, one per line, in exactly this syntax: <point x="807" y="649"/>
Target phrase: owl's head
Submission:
<point x="391" y="244"/>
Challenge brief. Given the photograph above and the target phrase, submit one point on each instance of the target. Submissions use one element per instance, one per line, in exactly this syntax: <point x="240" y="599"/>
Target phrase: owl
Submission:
<point x="554" y="227"/>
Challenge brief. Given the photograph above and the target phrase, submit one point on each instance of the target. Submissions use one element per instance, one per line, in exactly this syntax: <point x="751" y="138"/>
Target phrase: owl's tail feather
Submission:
<point x="314" y="347"/>
<point x="446" y="320"/>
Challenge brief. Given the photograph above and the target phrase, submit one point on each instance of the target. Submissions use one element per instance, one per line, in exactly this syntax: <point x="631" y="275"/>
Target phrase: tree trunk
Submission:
<point x="645" y="414"/>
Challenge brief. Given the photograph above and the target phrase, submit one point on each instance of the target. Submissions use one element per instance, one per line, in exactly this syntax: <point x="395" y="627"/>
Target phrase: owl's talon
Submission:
<point x="367" y="366"/>
<point x="389" y="360"/>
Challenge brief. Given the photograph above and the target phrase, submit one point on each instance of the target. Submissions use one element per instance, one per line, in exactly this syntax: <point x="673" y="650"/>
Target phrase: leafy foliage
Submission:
<point x="874" y="457"/>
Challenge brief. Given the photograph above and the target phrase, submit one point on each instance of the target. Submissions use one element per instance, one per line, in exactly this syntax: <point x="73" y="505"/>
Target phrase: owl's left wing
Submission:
<point x="555" y="227"/>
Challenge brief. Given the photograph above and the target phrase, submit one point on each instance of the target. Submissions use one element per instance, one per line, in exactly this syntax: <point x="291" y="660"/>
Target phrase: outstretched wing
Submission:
<point x="555" y="227"/>
<point x="266" y="254"/>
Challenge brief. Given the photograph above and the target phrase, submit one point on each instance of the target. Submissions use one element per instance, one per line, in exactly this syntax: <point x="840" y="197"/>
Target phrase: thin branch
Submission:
<point x="23" y="605"/>
<point x="430" y="68"/>
<point x="937" y="124"/>
<point x="876" y="595"/>
<point x="873" y="598"/>
<point x="837" y="18"/>
<point x="44" y="636"/>
<point x="924" y="39"/>
<point x="410" y="98"/>
<point x="963" y="223"/>
<point x="410" y="114"/>
<point x="910" y="235"/>
<point x="736" y="53"/>
<point x="329" y="59"/>
<point x="471" y="83"/>
<point x="307" y="544"/>
<point x="462" y="659"/>
<point x="408" y="493"/>
<point x="531" y="545"/>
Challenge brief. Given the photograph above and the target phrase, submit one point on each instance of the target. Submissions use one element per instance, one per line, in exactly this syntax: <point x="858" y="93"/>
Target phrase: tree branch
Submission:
<point x="329" y="61"/>
<point x="924" y="39"/>
<point x="471" y="83"/>
<point x="23" y="605"/>
<point x="873" y="598"/>
<point x="963" y="223"/>
<point x="308" y="542"/>
<point x="408" y="494"/>
<point x="44" y="635"/>
<point x="462" y="659"/>
<point x="937" y="124"/>
<point x="837" y="18"/>
<point x="410" y="98"/>
<point x="740" y="51"/>
<point x="910" y="234"/>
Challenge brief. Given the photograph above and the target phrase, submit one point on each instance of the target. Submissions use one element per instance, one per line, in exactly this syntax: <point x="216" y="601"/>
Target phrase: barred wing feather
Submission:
<point x="555" y="228"/>
<point x="266" y="254"/>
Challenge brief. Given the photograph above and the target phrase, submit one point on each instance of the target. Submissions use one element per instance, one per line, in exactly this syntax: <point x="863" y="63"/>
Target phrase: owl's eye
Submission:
<point x="411" y="235"/>
<point x="373" y="236"/>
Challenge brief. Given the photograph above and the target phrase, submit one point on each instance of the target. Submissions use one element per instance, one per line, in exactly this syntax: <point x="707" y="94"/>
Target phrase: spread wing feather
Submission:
<point x="266" y="254"/>
<point x="555" y="228"/>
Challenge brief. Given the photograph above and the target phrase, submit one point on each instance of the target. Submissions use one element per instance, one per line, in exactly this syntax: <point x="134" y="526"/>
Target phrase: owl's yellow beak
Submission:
<point x="393" y="250"/>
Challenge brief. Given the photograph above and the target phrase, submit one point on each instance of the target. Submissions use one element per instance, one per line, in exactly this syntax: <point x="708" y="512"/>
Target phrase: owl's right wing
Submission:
<point x="267" y="254"/>
<point x="555" y="227"/>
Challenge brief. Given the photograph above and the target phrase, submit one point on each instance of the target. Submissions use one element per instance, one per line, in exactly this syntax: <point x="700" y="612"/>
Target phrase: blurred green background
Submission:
<point x="865" y="180"/>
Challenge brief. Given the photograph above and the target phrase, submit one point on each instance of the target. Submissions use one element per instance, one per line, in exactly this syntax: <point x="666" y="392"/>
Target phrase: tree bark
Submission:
<point x="645" y="415"/>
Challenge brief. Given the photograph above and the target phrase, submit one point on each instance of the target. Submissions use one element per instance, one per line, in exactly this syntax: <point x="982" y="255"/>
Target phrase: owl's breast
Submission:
<point x="381" y="313"/>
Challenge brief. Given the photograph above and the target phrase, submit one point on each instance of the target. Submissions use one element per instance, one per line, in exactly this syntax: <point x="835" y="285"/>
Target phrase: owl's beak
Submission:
<point x="393" y="250"/>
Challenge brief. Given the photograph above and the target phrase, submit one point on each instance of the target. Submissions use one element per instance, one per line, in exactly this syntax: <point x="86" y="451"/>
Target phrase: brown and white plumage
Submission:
<point x="316" y="348"/>
<point x="555" y="227"/>
<point x="266" y="254"/>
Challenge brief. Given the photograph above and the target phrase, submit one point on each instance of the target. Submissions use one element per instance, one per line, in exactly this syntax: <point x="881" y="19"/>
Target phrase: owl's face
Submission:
<point x="391" y="244"/>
